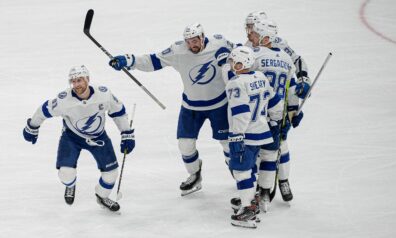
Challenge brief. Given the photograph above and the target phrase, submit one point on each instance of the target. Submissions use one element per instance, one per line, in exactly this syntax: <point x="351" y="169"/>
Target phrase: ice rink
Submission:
<point x="343" y="154"/>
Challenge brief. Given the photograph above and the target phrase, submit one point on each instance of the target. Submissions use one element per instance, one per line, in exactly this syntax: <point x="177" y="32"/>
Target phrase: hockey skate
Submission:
<point x="264" y="199"/>
<point x="107" y="203"/>
<point x="70" y="193"/>
<point x="236" y="203"/>
<point x="245" y="217"/>
<point x="284" y="188"/>
<point x="193" y="182"/>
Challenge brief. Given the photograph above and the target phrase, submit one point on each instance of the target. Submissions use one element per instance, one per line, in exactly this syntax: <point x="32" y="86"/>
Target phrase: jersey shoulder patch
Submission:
<point x="166" y="51"/>
<point x="180" y="42"/>
<point x="218" y="36"/>
<point x="62" y="95"/>
<point x="103" y="89"/>
<point x="256" y="49"/>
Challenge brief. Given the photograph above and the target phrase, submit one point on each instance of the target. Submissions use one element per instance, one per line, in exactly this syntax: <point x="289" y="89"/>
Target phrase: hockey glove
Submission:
<point x="122" y="61"/>
<point x="285" y="128"/>
<point x="127" y="141"/>
<point x="297" y="119"/>
<point x="303" y="86"/>
<point x="236" y="144"/>
<point x="30" y="133"/>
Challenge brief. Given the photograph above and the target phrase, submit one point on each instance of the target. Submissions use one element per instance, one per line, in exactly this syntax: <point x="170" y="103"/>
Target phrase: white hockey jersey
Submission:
<point x="250" y="100"/>
<point x="279" y="68"/>
<point x="298" y="61"/>
<point x="200" y="73"/>
<point x="86" y="118"/>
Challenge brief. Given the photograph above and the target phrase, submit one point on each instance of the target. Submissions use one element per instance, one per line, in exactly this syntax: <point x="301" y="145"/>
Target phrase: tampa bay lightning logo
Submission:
<point x="203" y="73"/>
<point x="89" y="125"/>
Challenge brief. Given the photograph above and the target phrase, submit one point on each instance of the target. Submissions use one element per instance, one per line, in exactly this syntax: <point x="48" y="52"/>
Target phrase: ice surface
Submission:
<point x="343" y="154"/>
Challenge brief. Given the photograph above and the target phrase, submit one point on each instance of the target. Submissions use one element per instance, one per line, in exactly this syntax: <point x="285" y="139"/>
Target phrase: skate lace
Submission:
<point x="285" y="188"/>
<point x="108" y="202"/>
<point x="69" y="192"/>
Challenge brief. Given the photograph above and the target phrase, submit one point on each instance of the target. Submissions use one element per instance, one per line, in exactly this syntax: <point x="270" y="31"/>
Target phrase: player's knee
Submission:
<point x="67" y="175"/>
<point x="242" y="175"/>
<point x="284" y="148"/>
<point x="224" y="144"/>
<point x="110" y="177"/>
<point x="268" y="155"/>
<point x="187" y="146"/>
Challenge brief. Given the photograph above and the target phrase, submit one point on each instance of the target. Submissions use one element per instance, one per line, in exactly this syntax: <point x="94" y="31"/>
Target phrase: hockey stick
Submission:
<point x="273" y="193"/>
<point x="119" y="194"/>
<point x="87" y="27"/>
<point x="314" y="82"/>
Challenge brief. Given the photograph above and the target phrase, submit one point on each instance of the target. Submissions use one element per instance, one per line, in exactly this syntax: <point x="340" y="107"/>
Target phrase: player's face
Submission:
<point x="236" y="66"/>
<point x="194" y="44"/>
<point x="79" y="85"/>
<point x="254" y="38"/>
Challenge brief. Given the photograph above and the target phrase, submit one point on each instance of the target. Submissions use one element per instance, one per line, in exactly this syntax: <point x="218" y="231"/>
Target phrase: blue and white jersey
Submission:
<point x="200" y="73"/>
<point x="86" y="118"/>
<point x="279" y="68"/>
<point x="251" y="99"/>
<point x="298" y="61"/>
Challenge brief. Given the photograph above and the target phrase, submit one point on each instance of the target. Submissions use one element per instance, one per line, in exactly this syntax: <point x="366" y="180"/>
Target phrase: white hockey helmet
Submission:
<point x="193" y="30"/>
<point x="254" y="17"/>
<point x="243" y="55"/>
<point x="78" y="71"/>
<point x="266" y="28"/>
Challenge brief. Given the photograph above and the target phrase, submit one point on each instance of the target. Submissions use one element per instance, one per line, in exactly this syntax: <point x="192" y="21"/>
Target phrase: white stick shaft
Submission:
<point x="314" y="82"/>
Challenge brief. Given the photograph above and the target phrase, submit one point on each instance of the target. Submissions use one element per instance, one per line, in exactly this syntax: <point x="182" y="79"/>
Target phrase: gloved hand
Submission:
<point x="297" y="119"/>
<point x="30" y="133"/>
<point x="275" y="131"/>
<point x="122" y="61"/>
<point x="236" y="144"/>
<point x="303" y="86"/>
<point x="285" y="128"/>
<point x="127" y="141"/>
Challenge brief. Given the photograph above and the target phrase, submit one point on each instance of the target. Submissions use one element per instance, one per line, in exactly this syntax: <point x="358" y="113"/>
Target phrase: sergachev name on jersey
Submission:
<point x="275" y="63"/>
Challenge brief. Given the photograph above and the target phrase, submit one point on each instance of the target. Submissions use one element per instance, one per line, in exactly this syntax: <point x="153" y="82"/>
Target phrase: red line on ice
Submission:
<point x="365" y="22"/>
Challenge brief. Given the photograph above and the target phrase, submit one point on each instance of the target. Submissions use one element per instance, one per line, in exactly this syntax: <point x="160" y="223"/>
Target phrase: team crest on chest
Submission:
<point x="203" y="73"/>
<point x="90" y="125"/>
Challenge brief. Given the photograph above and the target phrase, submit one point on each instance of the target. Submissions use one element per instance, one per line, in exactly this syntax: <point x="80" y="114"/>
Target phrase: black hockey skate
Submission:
<point x="245" y="217"/>
<point x="264" y="198"/>
<point x="70" y="193"/>
<point x="284" y="188"/>
<point x="107" y="203"/>
<point x="193" y="182"/>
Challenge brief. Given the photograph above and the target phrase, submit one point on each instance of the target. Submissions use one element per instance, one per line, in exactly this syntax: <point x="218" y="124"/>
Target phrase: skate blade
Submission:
<point x="245" y="224"/>
<point x="193" y="190"/>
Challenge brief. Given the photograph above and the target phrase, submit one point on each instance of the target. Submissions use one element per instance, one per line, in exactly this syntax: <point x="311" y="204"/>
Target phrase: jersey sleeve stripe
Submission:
<point x="240" y="109"/>
<point x="44" y="108"/>
<point x="203" y="103"/>
<point x="119" y="113"/>
<point x="273" y="101"/>
<point x="156" y="62"/>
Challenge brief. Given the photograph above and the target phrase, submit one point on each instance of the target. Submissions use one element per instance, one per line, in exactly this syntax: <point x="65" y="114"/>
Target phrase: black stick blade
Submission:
<point x="88" y="21"/>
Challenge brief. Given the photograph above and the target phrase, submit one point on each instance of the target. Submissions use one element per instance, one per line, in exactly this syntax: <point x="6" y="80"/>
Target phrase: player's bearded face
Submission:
<point x="79" y="85"/>
<point x="254" y="38"/>
<point x="195" y="44"/>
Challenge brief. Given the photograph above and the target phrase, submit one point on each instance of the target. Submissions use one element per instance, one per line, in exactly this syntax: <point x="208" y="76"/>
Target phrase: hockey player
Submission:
<point x="83" y="109"/>
<point x="198" y="60"/>
<point x="303" y="81"/>
<point x="251" y="100"/>
<point x="278" y="67"/>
